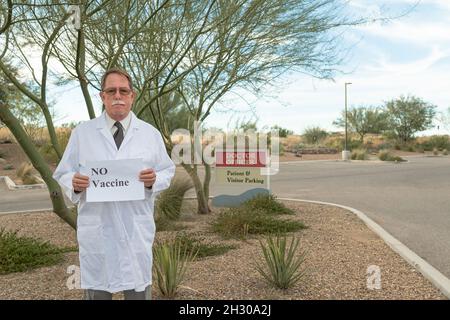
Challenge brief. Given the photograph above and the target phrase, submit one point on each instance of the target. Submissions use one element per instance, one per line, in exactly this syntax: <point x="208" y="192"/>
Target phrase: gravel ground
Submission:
<point x="340" y="249"/>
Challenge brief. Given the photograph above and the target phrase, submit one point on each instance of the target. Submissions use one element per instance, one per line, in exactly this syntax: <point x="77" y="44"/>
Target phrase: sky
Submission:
<point x="405" y="56"/>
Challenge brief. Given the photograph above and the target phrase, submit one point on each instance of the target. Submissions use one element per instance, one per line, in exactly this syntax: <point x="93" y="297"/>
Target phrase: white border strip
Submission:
<point x="428" y="271"/>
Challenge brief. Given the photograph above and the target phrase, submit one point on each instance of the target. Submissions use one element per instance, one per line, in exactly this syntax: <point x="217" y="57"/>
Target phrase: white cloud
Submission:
<point x="417" y="32"/>
<point x="410" y="68"/>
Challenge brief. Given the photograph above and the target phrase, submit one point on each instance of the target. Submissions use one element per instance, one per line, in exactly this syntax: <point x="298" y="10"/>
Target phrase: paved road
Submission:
<point x="22" y="200"/>
<point x="410" y="200"/>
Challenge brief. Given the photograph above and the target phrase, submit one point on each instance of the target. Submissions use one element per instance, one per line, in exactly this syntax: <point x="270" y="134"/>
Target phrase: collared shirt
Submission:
<point x="125" y="123"/>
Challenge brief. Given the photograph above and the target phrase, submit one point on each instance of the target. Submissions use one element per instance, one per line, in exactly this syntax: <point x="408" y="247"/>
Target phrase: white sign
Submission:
<point x="114" y="180"/>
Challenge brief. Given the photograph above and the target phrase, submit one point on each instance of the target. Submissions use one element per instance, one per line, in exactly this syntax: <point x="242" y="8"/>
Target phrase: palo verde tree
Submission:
<point x="408" y="115"/>
<point x="35" y="37"/>
<point x="13" y="57"/>
<point x="234" y="46"/>
<point x="363" y="120"/>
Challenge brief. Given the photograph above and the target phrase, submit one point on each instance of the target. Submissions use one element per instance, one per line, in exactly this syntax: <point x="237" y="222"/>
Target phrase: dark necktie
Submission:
<point x="118" y="135"/>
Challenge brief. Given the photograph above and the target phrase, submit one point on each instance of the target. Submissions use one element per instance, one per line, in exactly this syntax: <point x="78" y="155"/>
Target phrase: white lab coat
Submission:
<point x="115" y="238"/>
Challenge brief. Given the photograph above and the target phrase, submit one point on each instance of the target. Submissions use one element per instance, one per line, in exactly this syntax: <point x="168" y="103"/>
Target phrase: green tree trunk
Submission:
<point x="56" y="195"/>
<point x="202" y="198"/>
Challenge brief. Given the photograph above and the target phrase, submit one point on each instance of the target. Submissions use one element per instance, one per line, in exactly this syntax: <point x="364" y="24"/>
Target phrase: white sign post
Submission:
<point x="114" y="180"/>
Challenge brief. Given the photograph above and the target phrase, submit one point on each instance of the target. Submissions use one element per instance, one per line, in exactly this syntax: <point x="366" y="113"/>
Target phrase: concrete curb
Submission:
<point x="13" y="186"/>
<point x="306" y="161"/>
<point x="346" y="161"/>
<point x="25" y="211"/>
<point x="428" y="271"/>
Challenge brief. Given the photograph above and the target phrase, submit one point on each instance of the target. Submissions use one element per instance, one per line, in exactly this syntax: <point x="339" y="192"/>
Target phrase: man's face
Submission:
<point x="117" y="96"/>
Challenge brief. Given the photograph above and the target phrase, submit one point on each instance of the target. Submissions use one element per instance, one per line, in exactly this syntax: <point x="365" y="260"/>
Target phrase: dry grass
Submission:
<point x="374" y="140"/>
<point x="5" y="134"/>
<point x="40" y="134"/>
<point x="291" y="142"/>
<point x="27" y="174"/>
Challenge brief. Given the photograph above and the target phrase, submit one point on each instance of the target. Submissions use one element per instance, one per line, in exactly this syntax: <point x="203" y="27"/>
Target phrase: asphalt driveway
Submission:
<point x="409" y="200"/>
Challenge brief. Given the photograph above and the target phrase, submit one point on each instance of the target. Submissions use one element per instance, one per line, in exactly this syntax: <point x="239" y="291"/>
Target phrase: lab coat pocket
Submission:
<point x="90" y="235"/>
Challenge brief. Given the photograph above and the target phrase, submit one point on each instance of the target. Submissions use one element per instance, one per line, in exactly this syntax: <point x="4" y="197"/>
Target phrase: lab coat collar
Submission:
<point x="102" y="125"/>
<point x="125" y="122"/>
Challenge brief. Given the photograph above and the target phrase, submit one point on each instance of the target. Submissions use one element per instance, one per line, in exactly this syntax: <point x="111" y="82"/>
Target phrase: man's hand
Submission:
<point x="148" y="176"/>
<point x="80" y="182"/>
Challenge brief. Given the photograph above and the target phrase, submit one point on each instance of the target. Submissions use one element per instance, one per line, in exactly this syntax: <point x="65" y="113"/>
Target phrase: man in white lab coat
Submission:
<point x="115" y="238"/>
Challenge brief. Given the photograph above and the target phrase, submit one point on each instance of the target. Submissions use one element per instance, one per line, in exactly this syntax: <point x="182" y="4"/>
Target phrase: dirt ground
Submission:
<point x="340" y="251"/>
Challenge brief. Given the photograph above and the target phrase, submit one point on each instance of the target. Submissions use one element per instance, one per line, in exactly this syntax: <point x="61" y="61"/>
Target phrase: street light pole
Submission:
<point x="345" y="153"/>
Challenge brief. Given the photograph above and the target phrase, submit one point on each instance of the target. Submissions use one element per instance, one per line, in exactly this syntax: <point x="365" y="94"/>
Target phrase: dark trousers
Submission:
<point x="90" y="294"/>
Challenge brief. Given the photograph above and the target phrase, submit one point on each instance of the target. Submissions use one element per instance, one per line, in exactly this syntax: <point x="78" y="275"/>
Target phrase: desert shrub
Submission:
<point x="170" y="264"/>
<point x="338" y="143"/>
<point x="242" y="221"/>
<point x="385" y="155"/>
<point x="408" y="147"/>
<point x="419" y="149"/>
<point x="354" y="144"/>
<point x="335" y="142"/>
<point x="359" y="154"/>
<point x="25" y="172"/>
<point x="435" y="151"/>
<point x="445" y="152"/>
<point x="267" y="203"/>
<point x="19" y="254"/>
<point x="202" y="248"/>
<point x="25" y="168"/>
<point x="426" y="145"/>
<point x="46" y="149"/>
<point x="283" y="267"/>
<point x="384" y="146"/>
<point x="436" y="141"/>
<point x="45" y="146"/>
<point x="168" y="204"/>
<point x="314" y="135"/>
<point x="440" y="142"/>
<point x="291" y="142"/>
<point x="8" y="167"/>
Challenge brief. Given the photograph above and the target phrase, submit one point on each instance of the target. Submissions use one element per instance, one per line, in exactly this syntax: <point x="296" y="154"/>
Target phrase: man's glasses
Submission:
<point x="122" y="91"/>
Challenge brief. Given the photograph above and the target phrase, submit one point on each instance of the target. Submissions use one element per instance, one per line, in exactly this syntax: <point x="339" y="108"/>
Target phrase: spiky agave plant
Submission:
<point x="170" y="265"/>
<point x="283" y="266"/>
